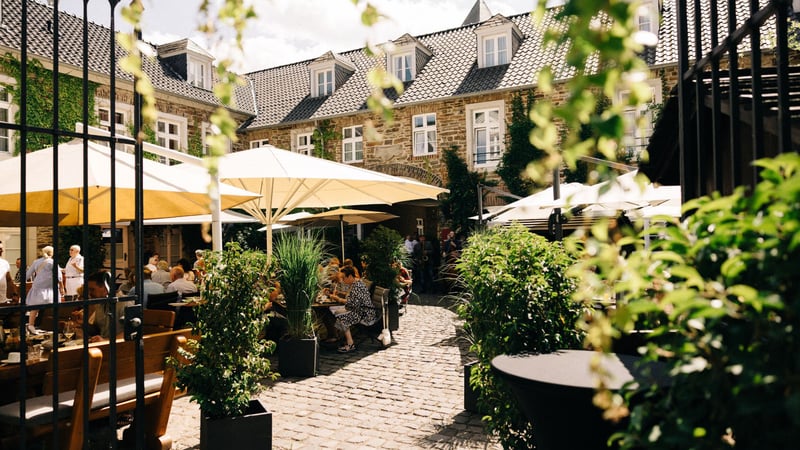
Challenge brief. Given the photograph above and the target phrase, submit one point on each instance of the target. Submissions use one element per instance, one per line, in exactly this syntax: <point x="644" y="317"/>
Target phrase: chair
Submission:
<point x="157" y="321"/>
<point x="162" y="301"/>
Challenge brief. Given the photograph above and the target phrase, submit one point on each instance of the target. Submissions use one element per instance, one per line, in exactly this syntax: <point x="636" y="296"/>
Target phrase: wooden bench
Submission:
<point x="159" y="391"/>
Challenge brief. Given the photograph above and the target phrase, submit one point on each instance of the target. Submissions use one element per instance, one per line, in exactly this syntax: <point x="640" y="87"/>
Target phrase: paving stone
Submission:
<point x="407" y="396"/>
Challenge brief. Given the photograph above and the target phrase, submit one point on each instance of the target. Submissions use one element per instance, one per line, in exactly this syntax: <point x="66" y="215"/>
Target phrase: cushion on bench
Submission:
<point x="39" y="410"/>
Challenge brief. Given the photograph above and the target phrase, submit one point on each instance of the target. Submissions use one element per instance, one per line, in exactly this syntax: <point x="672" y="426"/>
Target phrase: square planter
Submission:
<point x="251" y="430"/>
<point x="470" y="394"/>
<point x="298" y="357"/>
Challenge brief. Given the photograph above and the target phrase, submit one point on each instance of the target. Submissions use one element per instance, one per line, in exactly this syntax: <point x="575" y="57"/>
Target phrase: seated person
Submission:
<point x="162" y="275"/>
<point x="128" y="284"/>
<point x="358" y="308"/>
<point x="404" y="282"/>
<point x="100" y="319"/>
<point x="349" y="262"/>
<point x="148" y="287"/>
<point x="180" y="283"/>
<point x="329" y="273"/>
<point x="277" y="324"/>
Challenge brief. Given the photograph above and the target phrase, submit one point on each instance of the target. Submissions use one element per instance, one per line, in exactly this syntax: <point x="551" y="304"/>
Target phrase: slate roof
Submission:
<point x="283" y="93"/>
<point x="70" y="51"/>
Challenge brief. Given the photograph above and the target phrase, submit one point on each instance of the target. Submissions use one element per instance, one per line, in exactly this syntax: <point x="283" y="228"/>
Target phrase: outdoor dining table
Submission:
<point x="555" y="392"/>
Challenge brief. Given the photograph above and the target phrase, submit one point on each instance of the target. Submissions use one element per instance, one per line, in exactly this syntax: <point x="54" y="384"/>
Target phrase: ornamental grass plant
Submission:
<point x="298" y="259"/>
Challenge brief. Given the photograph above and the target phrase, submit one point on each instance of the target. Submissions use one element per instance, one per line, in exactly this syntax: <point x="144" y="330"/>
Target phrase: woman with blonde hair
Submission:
<point x="41" y="293"/>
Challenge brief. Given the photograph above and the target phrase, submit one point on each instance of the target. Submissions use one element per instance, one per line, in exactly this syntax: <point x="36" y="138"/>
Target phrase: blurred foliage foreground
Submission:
<point x="719" y="291"/>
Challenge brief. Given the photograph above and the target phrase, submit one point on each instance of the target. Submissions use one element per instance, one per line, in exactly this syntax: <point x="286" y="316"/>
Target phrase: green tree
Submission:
<point x="462" y="201"/>
<point x="520" y="152"/>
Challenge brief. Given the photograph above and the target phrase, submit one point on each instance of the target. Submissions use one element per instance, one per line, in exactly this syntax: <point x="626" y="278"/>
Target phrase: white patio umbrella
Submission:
<point x="287" y="180"/>
<point x="348" y="216"/>
<point x="624" y="193"/>
<point x="167" y="191"/>
<point x="224" y="217"/>
<point x="532" y="206"/>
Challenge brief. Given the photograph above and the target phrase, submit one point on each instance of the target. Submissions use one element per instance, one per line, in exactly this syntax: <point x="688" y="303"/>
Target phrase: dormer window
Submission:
<point x="402" y="67"/>
<point x="405" y="57"/>
<point x="188" y="60"/>
<point x="498" y="39"/>
<point x="198" y="73"/>
<point x="495" y="50"/>
<point x="324" y="82"/>
<point x="328" y="73"/>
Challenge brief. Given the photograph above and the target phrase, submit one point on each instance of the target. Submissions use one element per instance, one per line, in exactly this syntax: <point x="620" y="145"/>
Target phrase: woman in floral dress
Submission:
<point x="358" y="307"/>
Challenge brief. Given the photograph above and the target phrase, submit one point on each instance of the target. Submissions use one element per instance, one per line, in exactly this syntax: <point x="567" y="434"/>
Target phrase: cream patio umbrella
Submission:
<point x="167" y="191"/>
<point x="287" y="180"/>
<point x="623" y="193"/>
<point x="341" y="216"/>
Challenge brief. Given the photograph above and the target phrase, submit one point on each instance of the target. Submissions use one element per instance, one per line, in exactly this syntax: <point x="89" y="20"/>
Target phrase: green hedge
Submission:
<point x="517" y="298"/>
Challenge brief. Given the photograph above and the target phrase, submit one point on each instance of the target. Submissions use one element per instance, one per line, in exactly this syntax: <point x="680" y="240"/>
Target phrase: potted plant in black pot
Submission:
<point x="223" y="370"/>
<point x="298" y="258"/>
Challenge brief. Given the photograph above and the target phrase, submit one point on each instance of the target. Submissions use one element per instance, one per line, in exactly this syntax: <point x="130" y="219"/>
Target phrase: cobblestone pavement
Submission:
<point x="407" y="396"/>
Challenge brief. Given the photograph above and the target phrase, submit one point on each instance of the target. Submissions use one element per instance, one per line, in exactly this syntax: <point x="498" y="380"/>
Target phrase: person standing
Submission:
<point x="73" y="272"/>
<point x="8" y="290"/>
<point x="42" y="287"/>
<point x="423" y="264"/>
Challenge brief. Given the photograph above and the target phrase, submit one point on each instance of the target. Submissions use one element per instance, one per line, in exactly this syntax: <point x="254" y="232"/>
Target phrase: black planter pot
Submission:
<point x="298" y="357"/>
<point x="253" y="430"/>
<point x="394" y="315"/>
<point x="470" y="394"/>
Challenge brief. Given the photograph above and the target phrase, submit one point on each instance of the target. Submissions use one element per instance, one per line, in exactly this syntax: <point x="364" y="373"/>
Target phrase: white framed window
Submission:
<point x="120" y="120"/>
<point x="259" y="143"/>
<point x="495" y="50"/>
<point x="171" y="132"/>
<point x="198" y="73"/>
<point x="638" y="122"/>
<point x="423" y="129"/>
<point x="305" y="145"/>
<point x="485" y="131"/>
<point x="7" y="116"/>
<point x="403" y="66"/>
<point x="353" y="144"/>
<point x="323" y="82"/>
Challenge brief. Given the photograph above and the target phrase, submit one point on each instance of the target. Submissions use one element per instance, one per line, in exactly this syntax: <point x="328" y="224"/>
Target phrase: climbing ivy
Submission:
<point x="324" y="132"/>
<point x="40" y="100"/>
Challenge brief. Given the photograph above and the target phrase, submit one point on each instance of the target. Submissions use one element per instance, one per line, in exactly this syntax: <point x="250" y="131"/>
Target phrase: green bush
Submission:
<point x="381" y="248"/>
<point x="226" y="367"/>
<point x="725" y="281"/>
<point x="517" y="299"/>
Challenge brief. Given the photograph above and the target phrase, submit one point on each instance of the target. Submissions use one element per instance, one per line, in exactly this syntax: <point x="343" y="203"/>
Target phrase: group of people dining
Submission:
<point x="43" y="288"/>
<point x="344" y="301"/>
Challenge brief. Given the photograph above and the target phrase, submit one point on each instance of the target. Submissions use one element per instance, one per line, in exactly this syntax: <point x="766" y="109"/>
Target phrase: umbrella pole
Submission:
<point x="341" y="231"/>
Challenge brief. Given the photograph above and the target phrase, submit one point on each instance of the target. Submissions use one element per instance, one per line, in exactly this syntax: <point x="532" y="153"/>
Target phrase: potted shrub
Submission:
<point x="298" y="260"/>
<point x="516" y="298"/>
<point x="383" y="247"/>
<point x="223" y="370"/>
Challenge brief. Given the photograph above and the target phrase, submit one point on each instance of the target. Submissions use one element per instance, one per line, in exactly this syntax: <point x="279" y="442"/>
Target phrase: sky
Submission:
<point x="288" y="31"/>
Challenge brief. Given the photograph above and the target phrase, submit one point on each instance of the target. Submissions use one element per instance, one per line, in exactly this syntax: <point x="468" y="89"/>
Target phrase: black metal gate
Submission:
<point x="739" y="95"/>
<point x="37" y="31"/>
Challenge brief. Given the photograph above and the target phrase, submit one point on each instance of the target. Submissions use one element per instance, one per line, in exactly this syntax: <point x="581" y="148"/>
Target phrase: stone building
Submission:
<point x="458" y="86"/>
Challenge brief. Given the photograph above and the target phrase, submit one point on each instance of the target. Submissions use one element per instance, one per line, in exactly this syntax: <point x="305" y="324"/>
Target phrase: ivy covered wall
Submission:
<point x="39" y="100"/>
